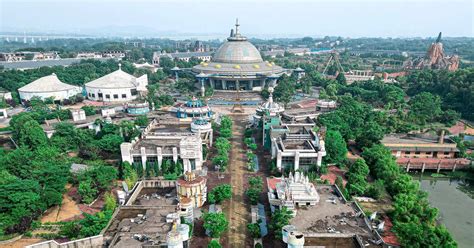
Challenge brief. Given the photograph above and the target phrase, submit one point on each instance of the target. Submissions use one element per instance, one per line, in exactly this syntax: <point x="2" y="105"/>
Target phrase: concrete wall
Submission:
<point x="57" y="95"/>
<point x="412" y="154"/>
<point x="90" y="242"/>
<point x="93" y="94"/>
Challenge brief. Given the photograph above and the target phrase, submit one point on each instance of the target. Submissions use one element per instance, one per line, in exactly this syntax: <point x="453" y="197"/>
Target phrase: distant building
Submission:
<point x="89" y="55"/>
<point x="46" y="56"/>
<point x="114" y="54"/>
<point x="48" y="87"/>
<point x="12" y="57"/>
<point x="19" y="56"/>
<point x="359" y="75"/>
<point x="199" y="46"/>
<point x="183" y="56"/>
<point x="117" y="86"/>
<point x="5" y="95"/>
<point x="146" y="66"/>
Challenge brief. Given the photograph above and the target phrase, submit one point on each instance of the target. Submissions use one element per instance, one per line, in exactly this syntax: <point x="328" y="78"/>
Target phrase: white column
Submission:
<point x="320" y="159"/>
<point x="159" y="157"/>
<point x="125" y="151"/>
<point x="186" y="165"/>
<point x="143" y="154"/>
<point x="297" y="161"/>
<point x="175" y="155"/>
<point x="211" y="134"/>
<point x="278" y="164"/>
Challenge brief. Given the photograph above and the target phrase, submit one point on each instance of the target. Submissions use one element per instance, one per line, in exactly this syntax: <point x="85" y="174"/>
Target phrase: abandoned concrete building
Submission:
<point x="170" y="140"/>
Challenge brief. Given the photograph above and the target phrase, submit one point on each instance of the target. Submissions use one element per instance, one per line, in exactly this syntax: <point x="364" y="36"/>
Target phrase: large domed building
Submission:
<point x="237" y="64"/>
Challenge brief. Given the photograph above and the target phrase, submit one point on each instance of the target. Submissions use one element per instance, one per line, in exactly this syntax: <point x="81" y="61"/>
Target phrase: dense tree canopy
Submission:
<point x="414" y="218"/>
<point x="335" y="147"/>
<point x="456" y="89"/>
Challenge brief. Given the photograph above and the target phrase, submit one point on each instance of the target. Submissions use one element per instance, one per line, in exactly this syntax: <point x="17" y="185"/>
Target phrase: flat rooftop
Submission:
<point x="156" y="197"/>
<point x="146" y="216"/>
<point x="127" y="223"/>
<point x="338" y="217"/>
<point x="410" y="140"/>
<point x="171" y="128"/>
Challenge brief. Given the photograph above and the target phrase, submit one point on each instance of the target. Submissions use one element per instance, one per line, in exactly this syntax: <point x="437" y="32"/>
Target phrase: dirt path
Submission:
<point x="239" y="215"/>
<point x="68" y="209"/>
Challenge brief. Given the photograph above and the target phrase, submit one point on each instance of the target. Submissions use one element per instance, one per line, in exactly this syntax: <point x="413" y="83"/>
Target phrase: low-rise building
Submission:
<point x="150" y="217"/>
<point x="296" y="146"/>
<point x="48" y="87"/>
<point x="183" y="56"/>
<point x="114" y="54"/>
<point x="292" y="191"/>
<point x="170" y="141"/>
<point x="117" y="86"/>
<point x="5" y="95"/>
<point x="425" y="152"/>
<point x="405" y="146"/>
<point x="89" y="55"/>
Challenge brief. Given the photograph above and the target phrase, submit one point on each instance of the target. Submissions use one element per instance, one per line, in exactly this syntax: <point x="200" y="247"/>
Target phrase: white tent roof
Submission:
<point x="49" y="83"/>
<point x="116" y="79"/>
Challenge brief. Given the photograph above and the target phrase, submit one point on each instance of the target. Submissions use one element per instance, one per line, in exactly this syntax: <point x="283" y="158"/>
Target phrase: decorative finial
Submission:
<point x="439" y="38"/>
<point x="120" y="66"/>
<point x="237" y="26"/>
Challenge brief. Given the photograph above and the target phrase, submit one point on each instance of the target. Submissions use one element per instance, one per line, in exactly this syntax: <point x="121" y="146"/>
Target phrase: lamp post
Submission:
<point x="176" y="70"/>
<point x="202" y="77"/>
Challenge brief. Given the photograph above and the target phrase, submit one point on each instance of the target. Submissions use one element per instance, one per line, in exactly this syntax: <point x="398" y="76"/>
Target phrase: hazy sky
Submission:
<point x="263" y="18"/>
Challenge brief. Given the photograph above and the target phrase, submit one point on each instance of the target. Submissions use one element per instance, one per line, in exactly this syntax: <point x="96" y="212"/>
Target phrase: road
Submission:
<point x="239" y="215"/>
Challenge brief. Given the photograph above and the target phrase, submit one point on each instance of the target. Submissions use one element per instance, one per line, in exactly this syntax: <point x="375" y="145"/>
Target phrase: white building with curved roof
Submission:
<point x="48" y="87"/>
<point x="237" y="64"/>
<point x="117" y="86"/>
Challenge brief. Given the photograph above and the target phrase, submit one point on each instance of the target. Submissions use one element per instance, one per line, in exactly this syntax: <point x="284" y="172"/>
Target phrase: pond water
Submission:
<point x="455" y="201"/>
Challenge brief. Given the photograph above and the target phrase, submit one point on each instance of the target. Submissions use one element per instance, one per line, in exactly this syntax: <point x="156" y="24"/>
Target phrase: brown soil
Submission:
<point x="238" y="213"/>
<point x="67" y="210"/>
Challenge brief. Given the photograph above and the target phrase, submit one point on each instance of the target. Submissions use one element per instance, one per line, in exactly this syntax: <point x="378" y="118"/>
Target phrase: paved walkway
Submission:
<point x="239" y="215"/>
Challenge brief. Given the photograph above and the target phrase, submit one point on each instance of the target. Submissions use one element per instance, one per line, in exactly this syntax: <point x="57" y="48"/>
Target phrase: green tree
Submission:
<point x="215" y="223"/>
<point x="110" y="202"/>
<point x="141" y="120"/>
<point x="357" y="177"/>
<point x="110" y="143"/>
<point x="32" y="135"/>
<point x="341" y="79"/>
<point x="425" y="107"/>
<point x="220" y="193"/>
<point x="336" y="148"/>
<point x="376" y="189"/>
<point x="254" y="230"/>
<point x="214" y="244"/>
<point x="86" y="191"/>
<point x="280" y="218"/>
<point x="89" y="110"/>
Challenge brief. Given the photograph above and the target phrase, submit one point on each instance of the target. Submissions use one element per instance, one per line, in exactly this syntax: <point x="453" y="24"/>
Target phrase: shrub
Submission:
<point x="254" y="230"/>
<point x="215" y="223"/>
<point x="220" y="193"/>
<point x="214" y="244"/>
